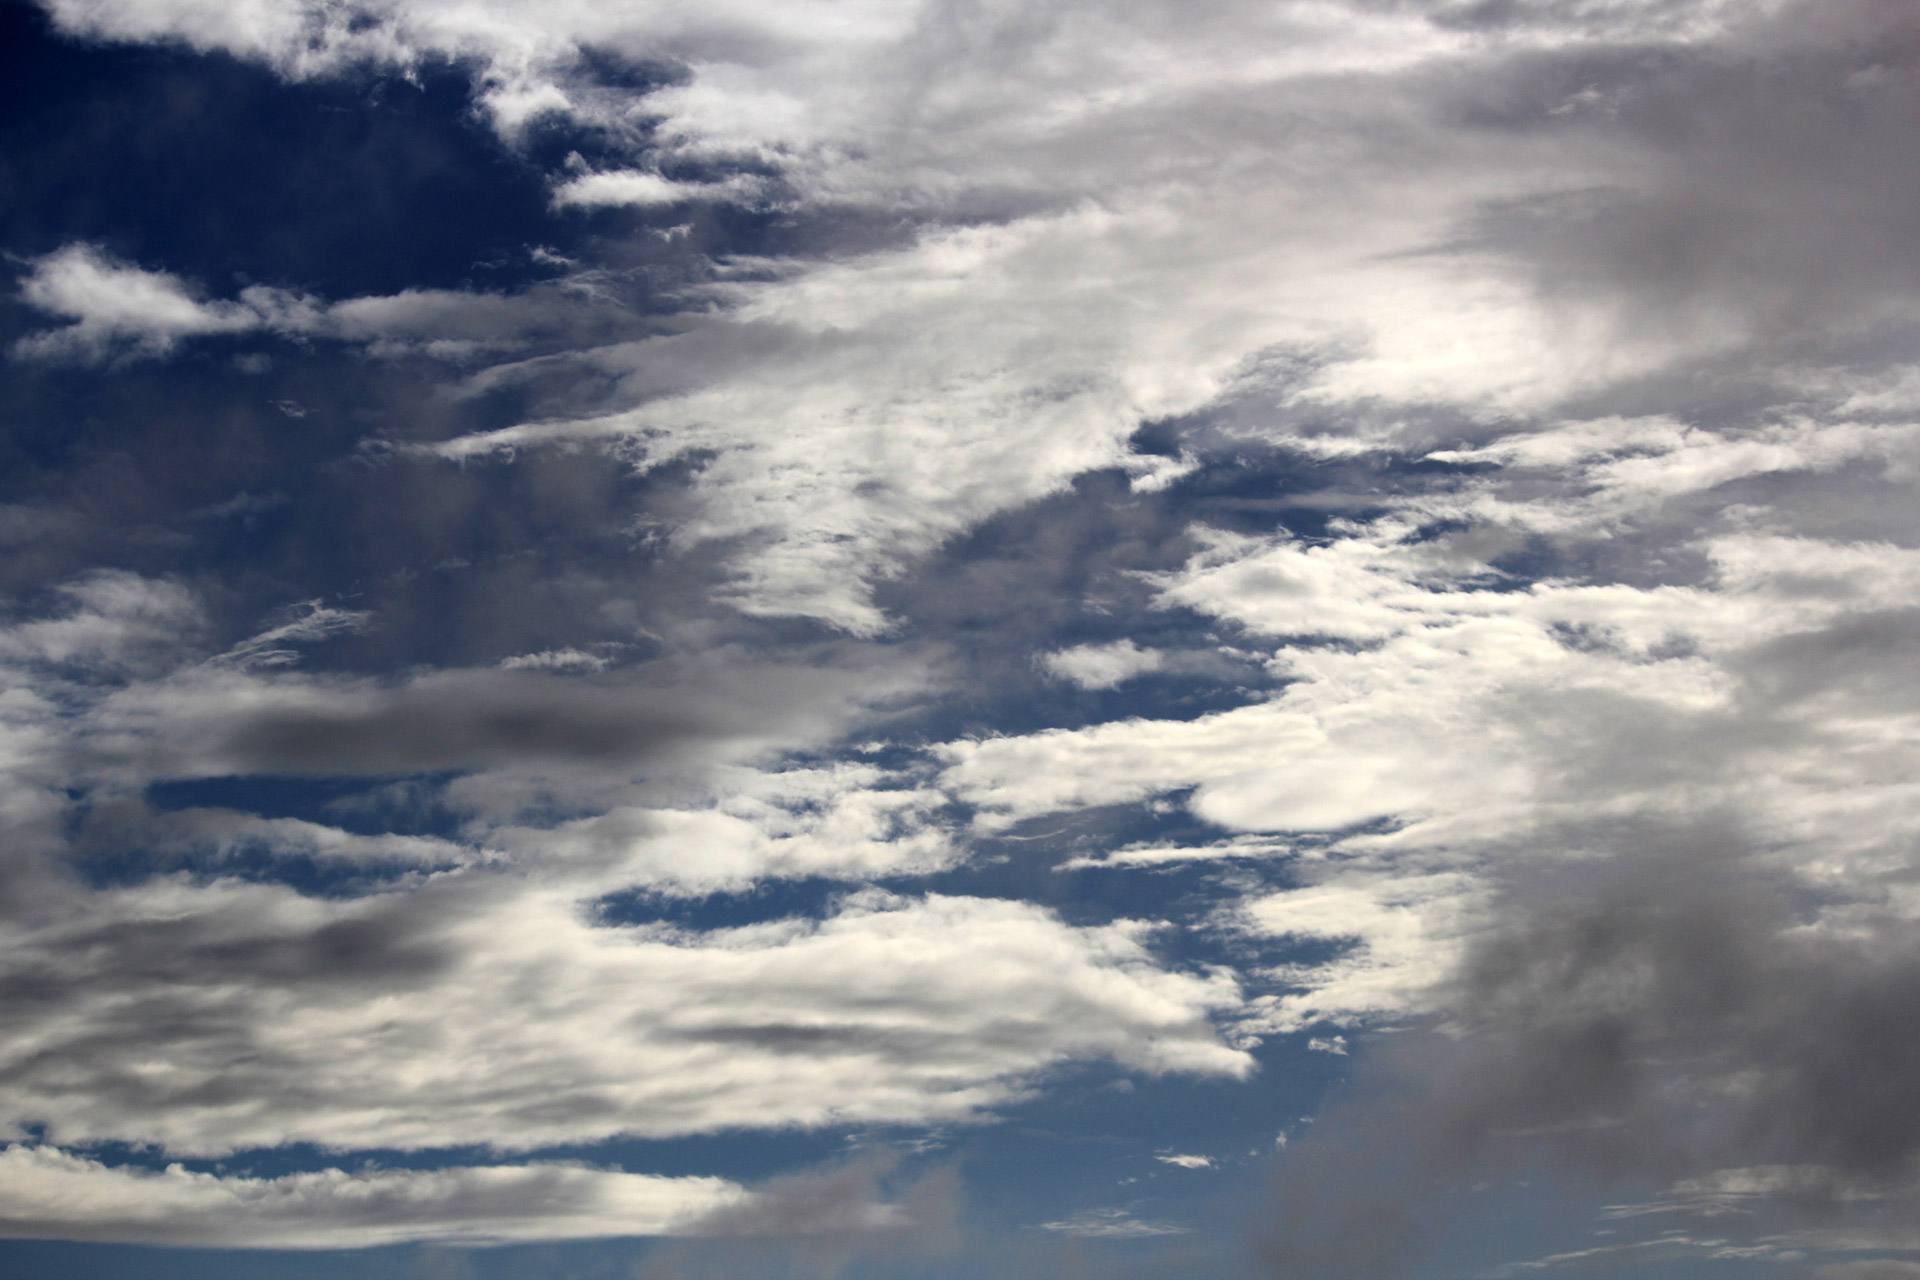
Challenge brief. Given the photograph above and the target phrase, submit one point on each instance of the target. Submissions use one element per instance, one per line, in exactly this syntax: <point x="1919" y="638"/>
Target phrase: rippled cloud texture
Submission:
<point x="957" y="638"/>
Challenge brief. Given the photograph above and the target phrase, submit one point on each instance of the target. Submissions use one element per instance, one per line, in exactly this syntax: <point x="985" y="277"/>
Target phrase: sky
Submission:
<point x="876" y="639"/>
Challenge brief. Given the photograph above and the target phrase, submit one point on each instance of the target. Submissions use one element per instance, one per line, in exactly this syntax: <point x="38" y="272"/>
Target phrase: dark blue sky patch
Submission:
<point x="177" y="470"/>
<point x="1185" y="895"/>
<point x="1266" y="490"/>
<point x="181" y="469"/>
<point x="1094" y="1149"/>
<point x="1189" y="896"/>
<point x="768" y="900"/>
<point x="364" y="806"/>
<point x="219" y="170"/>
<point x="748" y="1156"/>
<point x="255" y="862"/>
<point x="1057" y="573"/>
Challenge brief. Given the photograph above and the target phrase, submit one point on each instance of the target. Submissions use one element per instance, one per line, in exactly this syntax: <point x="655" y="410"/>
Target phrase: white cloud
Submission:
<point x="114" y="307"/>
<point x="478" y="994"/>
<point x="274" y="646"/>
<point x="1187" y="1161"/>
<point x="48" y="1193"/>
<point x="117" y="310"/>
<point x="215" y="836"/>
<point x="1109" y="269"/>
<point x="114" y="624"/>
<point x="849" y="822"/>
<point x="480" y="1006"/>
<point x="1441" y="722"/>
<point x="1101" y="666"/>
<point x="1113" y="1224"/>
<point x="1468" y="704"/>
<point x="555" y="660"/>
<point x="821" y="84"/>
<point x="885" y="401"/>
<point x="1149" y="855"/>
<point x="1403" y="934"/>
<point x="642" y="188"/>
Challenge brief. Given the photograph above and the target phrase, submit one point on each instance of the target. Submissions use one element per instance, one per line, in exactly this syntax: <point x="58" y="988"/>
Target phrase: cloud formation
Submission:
<point x="114" y="310"/>
<point x="216" y="1018"/>
<point x="53" y="1194"/>
<point x="1469" y="452"/>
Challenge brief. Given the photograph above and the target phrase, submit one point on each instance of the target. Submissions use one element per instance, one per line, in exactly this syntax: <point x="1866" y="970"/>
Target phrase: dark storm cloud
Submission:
<point x="1673" y="1006"/>
<point x="845" y="1201"/>
<point x="469" y="720"/>
<point x="1869" y="659"/>
<point x="683" y="718"/>
<point x="1681" y="1004"/>
<point x="818" y="1221"/>
<point x="1768" y="182"/>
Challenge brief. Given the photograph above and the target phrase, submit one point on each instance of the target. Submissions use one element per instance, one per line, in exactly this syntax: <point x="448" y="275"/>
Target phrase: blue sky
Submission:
<point x="881" y="638"/>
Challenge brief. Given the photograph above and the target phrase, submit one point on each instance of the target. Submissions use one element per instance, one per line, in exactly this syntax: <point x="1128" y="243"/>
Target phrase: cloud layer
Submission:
<point x="991" y="542"/>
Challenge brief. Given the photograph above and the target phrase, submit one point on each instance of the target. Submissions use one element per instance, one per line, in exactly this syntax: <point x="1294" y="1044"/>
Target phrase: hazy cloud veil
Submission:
<point x="956" y="637"/>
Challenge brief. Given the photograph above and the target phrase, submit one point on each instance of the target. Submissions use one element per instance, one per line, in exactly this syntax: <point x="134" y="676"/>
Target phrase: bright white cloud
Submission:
<point x="1148" y="855"/>
<point x="1101" y="666"/>
<point x="1401" y="936"/>
<point x="1465" y="707"/>
<point x="822" y="83"/>
<point x="482" y="1006"/>
<point x="555" y="660"/>
<point x="114" y="307"/>
<point x="117" y="310"/>
<point x="1438" y="716"/>
<point x="1187" y="1162"/>
<point x="850" y="822"/>
<point x="49" y="1193"/>
<point x="641" y="188"/>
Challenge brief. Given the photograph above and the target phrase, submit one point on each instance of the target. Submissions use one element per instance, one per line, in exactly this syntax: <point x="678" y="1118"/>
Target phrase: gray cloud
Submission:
<point x="1678" y="1004"/>
<point x="1666" y="1006"/>
<point x="818" y="1221"/>
<point x="679" y="715"/>
<point x="466" y="721"/>
<point x="1760" y="185"/>
<point x="1874" y="1269"/>
<point x="843" y="1201"/>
